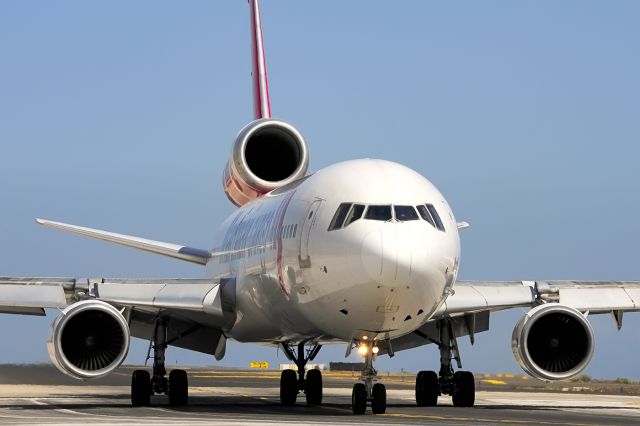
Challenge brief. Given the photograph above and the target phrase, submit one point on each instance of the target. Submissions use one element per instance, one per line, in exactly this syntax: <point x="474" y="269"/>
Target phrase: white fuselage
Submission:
<point x="297" y="280"/>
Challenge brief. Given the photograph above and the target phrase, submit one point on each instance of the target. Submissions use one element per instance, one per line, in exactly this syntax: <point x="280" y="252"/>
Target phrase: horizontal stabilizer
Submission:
<point x="176" y="251"/>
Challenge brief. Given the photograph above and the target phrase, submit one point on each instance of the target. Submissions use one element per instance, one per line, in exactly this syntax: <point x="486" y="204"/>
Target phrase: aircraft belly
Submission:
<point x="266" y="314"/>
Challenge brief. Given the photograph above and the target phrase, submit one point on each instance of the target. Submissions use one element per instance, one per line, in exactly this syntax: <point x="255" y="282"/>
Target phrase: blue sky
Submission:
<point x="120" y="115"/>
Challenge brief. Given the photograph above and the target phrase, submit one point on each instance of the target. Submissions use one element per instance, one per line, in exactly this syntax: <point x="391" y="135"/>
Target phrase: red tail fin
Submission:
<point x="261" y="105"/>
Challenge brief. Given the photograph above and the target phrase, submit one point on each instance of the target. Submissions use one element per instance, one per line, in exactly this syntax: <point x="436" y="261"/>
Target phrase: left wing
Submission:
<point x="585" y="296"/>
<point x="470" y="303"/>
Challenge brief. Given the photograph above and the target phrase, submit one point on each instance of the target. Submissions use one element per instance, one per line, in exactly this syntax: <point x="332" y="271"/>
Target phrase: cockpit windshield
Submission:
<point x="429" y="213"/>
<point x="347" y="213"/>
<point x="405" y="213"/>
<point x="378" y="213"/>
<point x="354" y="214"/>
<point x="338" y="218"/>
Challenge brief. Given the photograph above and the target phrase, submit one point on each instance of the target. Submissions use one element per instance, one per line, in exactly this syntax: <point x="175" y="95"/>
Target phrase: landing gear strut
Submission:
<point x="368" y="389"/>
<point x="291" y="383"/>
<point x="460" y="385"/>
<point x="143" y="385"/>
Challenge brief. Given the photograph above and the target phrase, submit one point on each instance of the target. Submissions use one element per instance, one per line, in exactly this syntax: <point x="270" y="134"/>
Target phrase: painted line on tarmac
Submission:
<point x="59" y="410"/>
<point x="478" y="420"/>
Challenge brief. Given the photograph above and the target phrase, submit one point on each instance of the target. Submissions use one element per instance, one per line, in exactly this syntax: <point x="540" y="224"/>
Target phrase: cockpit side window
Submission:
<point x="436" y="217"/>
<point x="354" y="214"/>
<point x="339" y="216"/>
<point x="404" y="213"/>
<point x="424" y="213"/>
<point x="378" y="213"/>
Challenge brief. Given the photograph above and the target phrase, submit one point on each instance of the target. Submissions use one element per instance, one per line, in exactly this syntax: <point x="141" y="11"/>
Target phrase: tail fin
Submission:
<point x="261" y="105"/>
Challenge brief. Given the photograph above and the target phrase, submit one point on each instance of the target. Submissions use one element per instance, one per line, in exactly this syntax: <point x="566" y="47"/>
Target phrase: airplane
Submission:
<point x="364" y="253"/>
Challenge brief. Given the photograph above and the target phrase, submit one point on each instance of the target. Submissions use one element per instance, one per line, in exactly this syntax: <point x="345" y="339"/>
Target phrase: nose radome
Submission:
<point x="387" y="254"/>
<point x="372" y="254"/>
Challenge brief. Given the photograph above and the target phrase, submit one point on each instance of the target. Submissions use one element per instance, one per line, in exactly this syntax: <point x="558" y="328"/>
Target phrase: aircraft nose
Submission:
<point x="387" y="254"/>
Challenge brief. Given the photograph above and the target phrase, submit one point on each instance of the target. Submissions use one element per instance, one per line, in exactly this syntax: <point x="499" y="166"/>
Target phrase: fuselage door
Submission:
<point x="309" y="223"/>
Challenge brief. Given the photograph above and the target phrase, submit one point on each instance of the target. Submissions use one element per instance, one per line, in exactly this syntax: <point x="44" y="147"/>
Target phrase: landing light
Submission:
<point x="363" y="349"/>
<point x="375" y="350"/>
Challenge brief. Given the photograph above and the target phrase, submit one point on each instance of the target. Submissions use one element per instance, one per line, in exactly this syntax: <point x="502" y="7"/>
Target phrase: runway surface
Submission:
<point x="220" y="397"/>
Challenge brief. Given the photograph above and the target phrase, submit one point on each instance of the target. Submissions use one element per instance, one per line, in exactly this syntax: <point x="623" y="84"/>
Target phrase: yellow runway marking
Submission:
<point x="493" y="382"/>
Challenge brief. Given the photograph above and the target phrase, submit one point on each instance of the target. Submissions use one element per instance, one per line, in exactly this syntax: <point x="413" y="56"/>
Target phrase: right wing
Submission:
<point x="199" y="310"/>
<point x="190" y="254"/>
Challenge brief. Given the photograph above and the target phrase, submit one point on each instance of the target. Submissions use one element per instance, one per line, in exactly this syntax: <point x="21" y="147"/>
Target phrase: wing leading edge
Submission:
<point x="199" y="309"/>
<point x="585" y="296"/>
<point x="189" y="254"/>
<point x="471" y="302"/>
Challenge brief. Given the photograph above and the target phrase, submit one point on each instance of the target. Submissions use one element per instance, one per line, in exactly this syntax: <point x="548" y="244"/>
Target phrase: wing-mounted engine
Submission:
<point x="266" y="155"/>
<point x="553" y="342"/>
<point x="89" y="339"/>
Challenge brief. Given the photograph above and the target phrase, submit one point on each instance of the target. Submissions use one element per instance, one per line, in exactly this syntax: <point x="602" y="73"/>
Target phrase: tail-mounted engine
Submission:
<point x="553" y="342"/>
<point x="267" y="154"/>
<point x="89" y="339"/>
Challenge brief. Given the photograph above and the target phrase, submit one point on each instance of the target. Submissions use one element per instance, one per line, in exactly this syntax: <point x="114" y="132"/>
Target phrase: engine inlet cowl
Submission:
<point x="267" y="154"/>
<point x="553" y="342"/>
<point x="89" y="339"/>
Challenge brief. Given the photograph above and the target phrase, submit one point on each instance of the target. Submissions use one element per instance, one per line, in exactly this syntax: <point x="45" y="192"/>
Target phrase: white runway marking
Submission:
<point x="253" y="406"/>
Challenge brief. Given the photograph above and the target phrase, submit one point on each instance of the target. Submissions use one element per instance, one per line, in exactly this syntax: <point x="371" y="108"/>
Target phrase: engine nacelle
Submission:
<point x="266" y="155"/>
<point x="89" y="339"/>
<point x="553" y="342"/>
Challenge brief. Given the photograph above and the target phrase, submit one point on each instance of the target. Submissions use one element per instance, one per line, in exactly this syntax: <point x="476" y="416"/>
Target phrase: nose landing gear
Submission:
<point x="460" y="385"/>
<point x="311" y="385"/>
<point x="368" y="389"/>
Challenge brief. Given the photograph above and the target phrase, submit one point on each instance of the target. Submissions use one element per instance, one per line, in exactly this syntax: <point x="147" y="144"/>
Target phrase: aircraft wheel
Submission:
<point x="140" y="388"/>
<point x="288" y="387"/>
<point x="178" y="388"/>
<point x="379" y="399"/>
<point x="464" y="389"/>
<point x="313" y="387"/>
<point x="359" y="398"/>
<point x="427" y="389"/>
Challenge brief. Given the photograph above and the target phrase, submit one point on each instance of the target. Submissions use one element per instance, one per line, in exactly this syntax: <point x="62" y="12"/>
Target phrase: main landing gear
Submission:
<point x="291" y="383"/>
<point x="460" y="385"/>
<point x="367" y="389"/>
<point x="143" y="385"/>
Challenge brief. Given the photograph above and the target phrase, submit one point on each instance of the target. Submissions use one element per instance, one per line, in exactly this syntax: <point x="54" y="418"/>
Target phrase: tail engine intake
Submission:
<point x="553" y="342"/>
<point x="89" y="339"/>
<point x="266" y="155"/>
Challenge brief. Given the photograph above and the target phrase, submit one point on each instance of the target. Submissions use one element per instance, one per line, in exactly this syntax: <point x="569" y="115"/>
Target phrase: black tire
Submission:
<point x="427" y="389"/>
<point x="378" y="399"/>
<point x="313" y="387"/>
<point x="464" y="389"/>
<point x="178" y="388"/>
<point x="359" y="398"/>
<point x="288" y="388"/>
<point x="140" y="388"/>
